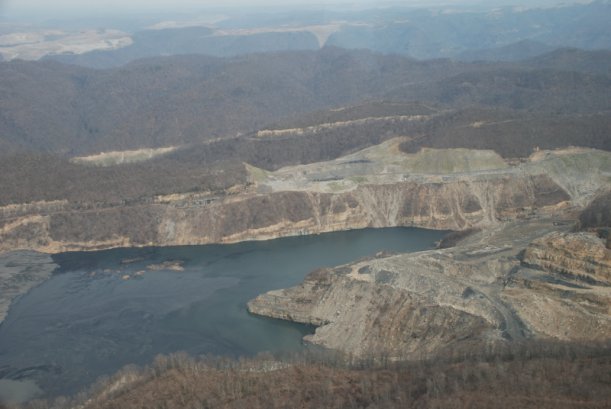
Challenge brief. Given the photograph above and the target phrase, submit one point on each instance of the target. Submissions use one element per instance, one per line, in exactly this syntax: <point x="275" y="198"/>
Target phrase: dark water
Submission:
<point x="89" y="320"/>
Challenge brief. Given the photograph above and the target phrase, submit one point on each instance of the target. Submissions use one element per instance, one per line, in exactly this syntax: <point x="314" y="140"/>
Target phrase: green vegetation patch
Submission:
<point x="444" y="161"/>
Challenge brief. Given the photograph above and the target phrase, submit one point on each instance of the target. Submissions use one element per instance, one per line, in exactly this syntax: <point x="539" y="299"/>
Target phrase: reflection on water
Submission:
<point x="106" y="309"/>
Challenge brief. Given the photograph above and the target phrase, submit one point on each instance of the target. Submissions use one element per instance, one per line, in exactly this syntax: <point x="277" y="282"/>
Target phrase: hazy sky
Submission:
<point x="155" y="4"/>
<point x="93" y="6"/>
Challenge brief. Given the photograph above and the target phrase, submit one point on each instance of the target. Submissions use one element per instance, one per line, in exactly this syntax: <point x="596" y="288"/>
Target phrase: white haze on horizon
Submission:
<point x="58" y="7"/>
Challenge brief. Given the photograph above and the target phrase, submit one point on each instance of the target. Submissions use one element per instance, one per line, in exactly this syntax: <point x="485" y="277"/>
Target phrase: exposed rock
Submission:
<point x="377" y="187"/>
<point x="597" y="215"/>
<point x="120" y="157"/>
<point x="365" y="317"/>
<point x="451" y="205"/>
<point x="567" y="296"/>
<point x="577" y="256"/>
<point x="410" y="305"/>
<point x="132" y="260"/>
<point x="275" y="133"/>
<point x="399" y="305"/>
<point x="173" y="265"/>
<point x="37" y="44"/>
<point x="306" y="200"/>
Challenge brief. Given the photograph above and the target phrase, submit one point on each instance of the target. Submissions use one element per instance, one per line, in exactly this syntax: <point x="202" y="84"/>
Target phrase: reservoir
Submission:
<point x="103" y="310"/>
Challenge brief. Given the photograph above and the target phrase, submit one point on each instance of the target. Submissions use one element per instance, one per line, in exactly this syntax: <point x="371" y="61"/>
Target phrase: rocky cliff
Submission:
<point x="437" y="204"/>
<point x="577" y="256"/>
<point x="377" y="187"/>
<point x="562" y="289"/>
<point x="522" y="275"/>
<point x="412" y="305"/>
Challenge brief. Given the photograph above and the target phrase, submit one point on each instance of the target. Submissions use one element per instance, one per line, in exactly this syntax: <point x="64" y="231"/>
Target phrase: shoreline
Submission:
<point x="20" y="272"/>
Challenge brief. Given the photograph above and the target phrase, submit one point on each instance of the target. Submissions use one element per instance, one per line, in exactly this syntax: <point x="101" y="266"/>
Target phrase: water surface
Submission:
<point x="103" y="310"/>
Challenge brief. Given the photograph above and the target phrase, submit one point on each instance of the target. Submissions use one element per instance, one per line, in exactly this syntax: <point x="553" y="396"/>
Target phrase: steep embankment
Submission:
<point x="412" y="305"/>
<point x="508" y="281"/>
<point x="562" y="289"/>
<point x="486" y="290"/>
<point x="578" y="256"/>
<point x="377" y="187"/>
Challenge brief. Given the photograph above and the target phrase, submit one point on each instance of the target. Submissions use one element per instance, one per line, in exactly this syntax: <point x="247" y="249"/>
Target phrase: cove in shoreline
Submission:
<point x="103" y="310"/>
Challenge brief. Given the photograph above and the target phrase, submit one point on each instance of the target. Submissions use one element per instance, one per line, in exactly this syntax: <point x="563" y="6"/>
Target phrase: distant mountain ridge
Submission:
<point x="51" y="107"/>
<point x="513" y="52"/>
<point x="47" y="106"/>
<point x="573" y="59"/>
<point x="191" y="40"/>
<point x="499" y="34"/>
<point x="437" y="34"/>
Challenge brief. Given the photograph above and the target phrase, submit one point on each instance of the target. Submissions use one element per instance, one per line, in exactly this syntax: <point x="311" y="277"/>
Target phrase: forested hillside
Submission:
<point x="54" y="108"/>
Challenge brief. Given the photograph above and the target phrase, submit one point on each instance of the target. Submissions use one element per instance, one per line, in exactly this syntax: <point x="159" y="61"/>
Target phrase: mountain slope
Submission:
<point x="191" y="40"/>
<point x="513" y="52"/>
<point x="158" y="102"/>
<point x="46" y="106"/>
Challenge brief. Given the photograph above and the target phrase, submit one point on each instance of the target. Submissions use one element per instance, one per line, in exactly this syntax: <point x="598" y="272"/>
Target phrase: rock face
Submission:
<point x="364" y="316"/>
<point x="521" y="276"/>
<point x="577" y="256"/>
<point x="378" y="187"/>
<point x="597" y="215"/>
<point x="563" y="289"/>
<point x="411" y="305"/>
<point x="438" y="205"/>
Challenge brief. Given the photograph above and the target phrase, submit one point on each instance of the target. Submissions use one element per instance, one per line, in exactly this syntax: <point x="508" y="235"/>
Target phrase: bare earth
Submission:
<point x="36" y="44"/>
<point x="523" y="275"/>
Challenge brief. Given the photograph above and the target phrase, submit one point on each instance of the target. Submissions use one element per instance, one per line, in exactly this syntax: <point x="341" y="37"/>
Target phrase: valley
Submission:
<point x="511" y="205"/>
<point x="302" y="196"/>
